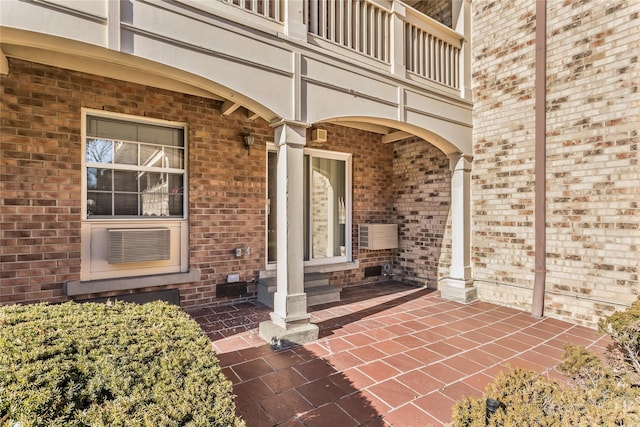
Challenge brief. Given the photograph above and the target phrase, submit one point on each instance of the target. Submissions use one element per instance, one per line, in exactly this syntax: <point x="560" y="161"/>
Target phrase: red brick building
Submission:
<point x="126" y="167"/>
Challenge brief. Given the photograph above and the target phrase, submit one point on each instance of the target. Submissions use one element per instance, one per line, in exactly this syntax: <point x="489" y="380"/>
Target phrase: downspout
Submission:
<point x="537" y="305"/>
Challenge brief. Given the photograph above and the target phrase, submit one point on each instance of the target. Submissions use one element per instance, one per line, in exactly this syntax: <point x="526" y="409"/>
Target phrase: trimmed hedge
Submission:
<point x="114" y="364"/>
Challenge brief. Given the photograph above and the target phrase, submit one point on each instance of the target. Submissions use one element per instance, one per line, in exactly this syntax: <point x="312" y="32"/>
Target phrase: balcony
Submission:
<point x="387" y="34"/>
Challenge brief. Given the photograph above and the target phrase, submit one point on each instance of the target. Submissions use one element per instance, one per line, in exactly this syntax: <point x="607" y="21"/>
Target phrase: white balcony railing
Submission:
<point x="429" y="49"/>
<point x="432" y="50"/>
<point x="361" y="25"/>
<point x="271" y="9"/>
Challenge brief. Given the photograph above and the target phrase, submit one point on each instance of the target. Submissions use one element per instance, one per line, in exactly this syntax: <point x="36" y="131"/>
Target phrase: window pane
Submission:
<point x="125" y="181"/>
<point x="176" y="204"/>
<point x="110" y="128"/>
<point x="98" y="203"/>
<point x="176" y="186"/>
<point x="99" y="179"/>
<point x="128" y="150"/>
<point x="272" y="218"/>
<point x="151" y="155"/>
<point x="154" y="204"/>
<point x="154" y="182"/>
<point x="126" y="204"/>
<point x="175" y="158"/>
<point x="160" y="135"/>
<point x="126" y="153"/>
<point x="328" y="211"/>
<point x="305" y="200"/>
<point x="99" y="151"/>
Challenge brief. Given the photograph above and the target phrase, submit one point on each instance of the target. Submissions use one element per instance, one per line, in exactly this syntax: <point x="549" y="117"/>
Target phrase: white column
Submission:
<point x="289" y="322"/>
<point x="459" y="285"/>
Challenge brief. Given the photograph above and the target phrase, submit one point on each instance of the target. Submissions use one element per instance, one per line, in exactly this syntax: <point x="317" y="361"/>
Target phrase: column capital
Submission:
<point x="289" y="132"/>
<point x="459" y="161"/>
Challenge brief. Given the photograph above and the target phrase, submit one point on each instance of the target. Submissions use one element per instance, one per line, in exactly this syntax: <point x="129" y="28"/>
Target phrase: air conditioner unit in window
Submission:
<point x="138" y="244"/>
<point x="378" y="236"/>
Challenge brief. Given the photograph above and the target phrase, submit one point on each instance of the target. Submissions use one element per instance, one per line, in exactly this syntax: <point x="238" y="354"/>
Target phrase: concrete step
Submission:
<point x="316" y="286"/>
<point x="314" y="280"/>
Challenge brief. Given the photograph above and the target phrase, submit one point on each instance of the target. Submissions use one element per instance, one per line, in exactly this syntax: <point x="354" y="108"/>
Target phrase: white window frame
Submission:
<point x="325" y="154"/>
<point x="94" y="228"/>
<point x="138" y="120"/>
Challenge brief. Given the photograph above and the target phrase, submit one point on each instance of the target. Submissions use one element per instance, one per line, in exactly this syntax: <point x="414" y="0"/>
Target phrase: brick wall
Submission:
<point x="593" y="120"/>
<point x="41" y="176"/>
<point x="503" y="170"/>
<point x="440" y="10"/>
<point x="593" y="232"/>
<point x="422" y="195"/>
<point x="40" y="182"/>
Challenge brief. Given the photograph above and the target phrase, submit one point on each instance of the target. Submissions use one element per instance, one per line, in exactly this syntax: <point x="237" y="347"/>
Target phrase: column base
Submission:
<point x="458" y="290"/>
<point x="280" y="337"/>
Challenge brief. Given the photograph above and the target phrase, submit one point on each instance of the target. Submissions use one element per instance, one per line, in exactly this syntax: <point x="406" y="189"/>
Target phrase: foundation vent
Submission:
<point x="138" y="244"/>
<point x="378" y="236"/>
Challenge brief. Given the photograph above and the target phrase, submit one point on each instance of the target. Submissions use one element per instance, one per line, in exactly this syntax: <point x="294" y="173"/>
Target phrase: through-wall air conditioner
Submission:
<point x="138" y="244"/>
<point x="378" y="236"/>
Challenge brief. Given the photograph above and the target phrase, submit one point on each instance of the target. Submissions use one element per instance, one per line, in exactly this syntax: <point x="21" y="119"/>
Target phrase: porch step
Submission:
<point x="316" y="285"/>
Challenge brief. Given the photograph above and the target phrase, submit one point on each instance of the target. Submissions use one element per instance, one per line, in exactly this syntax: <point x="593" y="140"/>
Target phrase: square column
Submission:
<point x="295" y="26"/>
<point x="462" y="24"/>
<point x="289" y="322"/>
<point x="459" y="286"/>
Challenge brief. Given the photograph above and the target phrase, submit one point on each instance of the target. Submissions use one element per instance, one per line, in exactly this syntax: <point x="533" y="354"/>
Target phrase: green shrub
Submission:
<point x="109" y="365"/>
<point x="528" y="399"/>
<point x="600" y="394"/>
<point x="624" y="329"/>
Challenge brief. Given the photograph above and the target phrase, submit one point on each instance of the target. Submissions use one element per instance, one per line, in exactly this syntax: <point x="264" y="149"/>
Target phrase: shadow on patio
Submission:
<point x="388" y="354"/>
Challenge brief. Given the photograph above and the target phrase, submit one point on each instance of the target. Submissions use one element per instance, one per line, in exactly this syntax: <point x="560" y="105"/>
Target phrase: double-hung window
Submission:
<point x="327" y="207"/>
<point x="134" y="169"/>
<point x="134" y="198"/>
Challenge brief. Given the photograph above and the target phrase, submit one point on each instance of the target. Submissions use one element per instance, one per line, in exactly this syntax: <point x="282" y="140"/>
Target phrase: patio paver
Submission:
<point x="389" y="354"/>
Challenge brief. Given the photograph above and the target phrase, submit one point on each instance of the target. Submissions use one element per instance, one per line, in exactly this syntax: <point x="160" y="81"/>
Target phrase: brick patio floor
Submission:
<point x="388" y="355"/>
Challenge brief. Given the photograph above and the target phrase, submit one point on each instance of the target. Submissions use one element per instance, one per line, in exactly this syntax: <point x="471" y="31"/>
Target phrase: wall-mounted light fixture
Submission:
<point x="248" y="142"/>
<point x="318" y="135"/>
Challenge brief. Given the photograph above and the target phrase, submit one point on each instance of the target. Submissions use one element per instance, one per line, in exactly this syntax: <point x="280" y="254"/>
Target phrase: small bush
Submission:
<point x="624" y="329"/>
<point x="109" y="365"/>
<point x="528" y="399"/>
<point x="600" y="394"/>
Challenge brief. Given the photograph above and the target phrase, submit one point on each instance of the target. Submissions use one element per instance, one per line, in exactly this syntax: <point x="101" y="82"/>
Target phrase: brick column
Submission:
<point x="459" y="286"/>
<point x="289" y="320"/>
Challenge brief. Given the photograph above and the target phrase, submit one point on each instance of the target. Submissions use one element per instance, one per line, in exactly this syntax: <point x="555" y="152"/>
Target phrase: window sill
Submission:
<point x="326" y="268"/>
<point x="329" y="268"/>
<point x="76" y="287"/>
